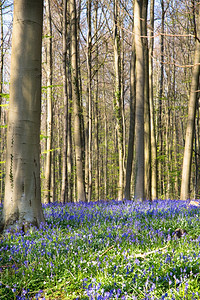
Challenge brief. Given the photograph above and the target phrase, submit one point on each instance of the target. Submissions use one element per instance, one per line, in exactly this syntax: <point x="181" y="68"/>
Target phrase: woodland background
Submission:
<point x="107" y="126"/>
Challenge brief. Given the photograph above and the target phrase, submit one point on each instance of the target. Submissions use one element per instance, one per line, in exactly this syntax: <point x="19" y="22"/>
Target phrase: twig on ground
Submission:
<point x="137" y="255"/>
<point x="143" y="255"/>
<point x="107" y="250"/>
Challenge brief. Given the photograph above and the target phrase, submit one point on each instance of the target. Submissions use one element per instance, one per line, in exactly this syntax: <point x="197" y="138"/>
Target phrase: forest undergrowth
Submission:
<point x="105" y="250"/>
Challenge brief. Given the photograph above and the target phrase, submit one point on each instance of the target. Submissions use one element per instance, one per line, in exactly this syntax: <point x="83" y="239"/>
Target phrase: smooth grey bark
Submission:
<point x="76" y="105"/>
<point x="1" y="91"/>
<point x="70" y="162"/>
<point x="64" y="188"/>
<point x="139" y="113"/>
<point x="129" y="164"/>
<point x="89" y="88"/>
<point x="151" y="107"/>
<point x="96" y="106"/>
<point x="106" y="143"/>
<point x="47" y="180"/>
<point x="160" y="128"/>
<point x="117" y="98"/>
<point x="187" y="158"/>
<point x="147" y="130"/>
<point x="22" y="202"/>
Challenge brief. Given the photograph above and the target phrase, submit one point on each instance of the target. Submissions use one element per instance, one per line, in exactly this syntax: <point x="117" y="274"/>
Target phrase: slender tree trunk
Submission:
<point x="151" y="107"/>
<point x="117" y="98"/>
<point x="47" y="186"/>
<point x="122" y="99"/>
<point x="1" y="91"/>
<point x="2" y="58"/>
<point x="129" y="164"/>
<point x="64" y="190"/>
<point x="76" y="102"/>
<point x="147" y="130"/>
<point x="196" y="154"/>
<point x="188" y="150"/>
<point x="89" y="86"/>
<point x="22" y="201"/>
<point x="96" y="106"/>
<point x="70" y="163"/>
<point x="105" y="140"/>
<point x="139" y="118"/>
<point x="160" y="128"/>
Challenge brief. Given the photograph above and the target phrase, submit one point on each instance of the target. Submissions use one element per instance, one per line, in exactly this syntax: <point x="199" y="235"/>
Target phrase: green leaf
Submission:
<point x="7" y="96"/>
<point x="51" y="150"/>
<point x="42" y="136"/>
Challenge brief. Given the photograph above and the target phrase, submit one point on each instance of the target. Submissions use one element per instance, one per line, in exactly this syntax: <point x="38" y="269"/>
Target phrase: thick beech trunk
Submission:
<point x="47" y="181"/>
<point x="64" y="190"/>
<point x="76" y="105"/>
<point x="118" y="100"/>
<point x="22" y="201"/>
<point x="188" y="150"/>
<point x="139" y="117"/>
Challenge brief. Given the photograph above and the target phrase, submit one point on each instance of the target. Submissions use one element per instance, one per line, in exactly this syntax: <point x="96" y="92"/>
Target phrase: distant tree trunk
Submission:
<point x="196" y="154"/>
<point x="129" y="163"/>
<point x="47" y="185"/>
<point x="76" y="102"/>
<point x="96" y="106"/>
<point x="22" y="200"/>
<point x="139" y="117"/>
<point x="151" y="106"/>
<point x="105" y="141"/>
<point x="160" y="128"/>
<point x="70" y="162"/>
<point x="64" y="189"/>
<point x="123" y="98"/>
<point x="1" y="91"/>
<point x="188" y="150"/>
<point x="147" y="130"/>
<point x="2" y="57"/>
<point x="89" y="87"/>
<point x="117" y="98"/>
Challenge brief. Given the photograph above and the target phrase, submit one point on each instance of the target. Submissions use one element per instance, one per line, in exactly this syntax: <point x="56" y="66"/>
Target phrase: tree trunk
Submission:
<point x="151" y="107"/>
<point x="105" y="141"/>
<point x="188" y="150"/>
<point x="76" y="107"/>
<point x="47" y="185"/>
<point x="147" y="133"/>
<point x="129" y="164"/>
<point x="70" y="166"/>
<point x="1" y="91"/>
<point x="96" y="106"/>
<point x="139" y="117"/>
<point x="160" y="127"/>
<point x="117" y="99"/>
<point x="64" y="189"/>
<point x="22" y="201"/>
<point x="89" y="86"/>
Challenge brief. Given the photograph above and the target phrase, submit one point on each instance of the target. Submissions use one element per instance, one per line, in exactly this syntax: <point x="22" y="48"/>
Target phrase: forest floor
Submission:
<point x="105" y="250"/>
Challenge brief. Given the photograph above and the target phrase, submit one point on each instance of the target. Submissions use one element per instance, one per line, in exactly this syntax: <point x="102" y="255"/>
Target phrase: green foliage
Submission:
<point x="46" y="36"/>
<point x="42" y="136"/>
<point x="5" y="96"/>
